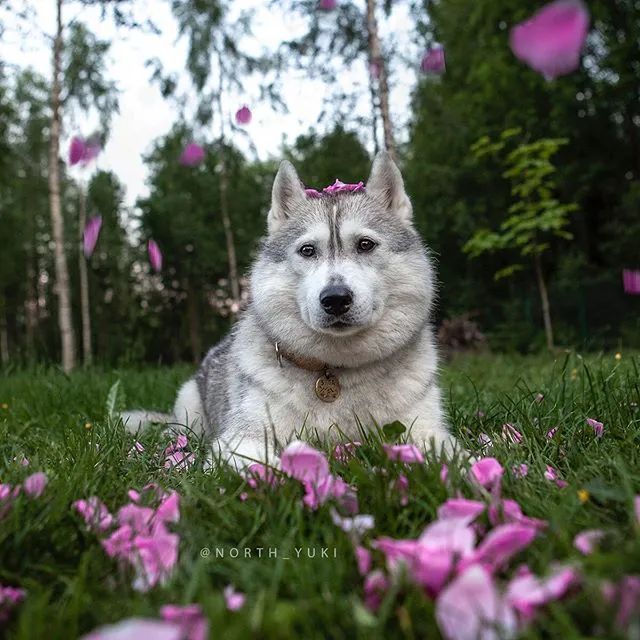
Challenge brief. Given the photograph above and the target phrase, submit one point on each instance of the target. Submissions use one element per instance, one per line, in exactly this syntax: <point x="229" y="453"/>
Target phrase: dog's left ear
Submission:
<point x="286" y="196"/>
<point x="386" y="185"/>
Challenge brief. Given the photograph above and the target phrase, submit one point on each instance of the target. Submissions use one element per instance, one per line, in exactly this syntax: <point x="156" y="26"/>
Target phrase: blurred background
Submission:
<point x="125" y="121"/>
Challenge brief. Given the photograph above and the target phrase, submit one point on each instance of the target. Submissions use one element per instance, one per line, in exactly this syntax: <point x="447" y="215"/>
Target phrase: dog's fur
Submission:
<point x="385" y="359"/>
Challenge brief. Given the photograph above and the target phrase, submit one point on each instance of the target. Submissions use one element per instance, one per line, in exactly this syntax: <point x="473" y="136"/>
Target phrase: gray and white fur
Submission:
<point x="358" y="300"/>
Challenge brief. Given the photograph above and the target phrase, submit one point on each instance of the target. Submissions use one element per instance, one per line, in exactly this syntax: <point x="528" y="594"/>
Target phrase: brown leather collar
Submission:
<point x="308" y="364"/>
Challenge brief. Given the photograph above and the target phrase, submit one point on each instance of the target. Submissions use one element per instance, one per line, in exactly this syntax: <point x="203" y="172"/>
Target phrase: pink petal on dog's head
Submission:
<point x="155" y="255"/>
<point x="304" y="463"/>
<point x="551" y="41"/>
<point x="471" y="608"/>
<point x="327" y="5"/>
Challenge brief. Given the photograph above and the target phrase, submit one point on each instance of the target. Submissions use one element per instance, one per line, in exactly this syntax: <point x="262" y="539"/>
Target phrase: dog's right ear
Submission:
<point x="286" y="196"/>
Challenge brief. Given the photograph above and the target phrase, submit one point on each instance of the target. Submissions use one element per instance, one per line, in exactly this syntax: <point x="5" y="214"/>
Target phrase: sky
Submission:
<point x="145" y="115"/>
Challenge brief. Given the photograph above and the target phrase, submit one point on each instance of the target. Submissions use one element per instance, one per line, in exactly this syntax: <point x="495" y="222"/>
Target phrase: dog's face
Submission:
<point x="343" y="278"/>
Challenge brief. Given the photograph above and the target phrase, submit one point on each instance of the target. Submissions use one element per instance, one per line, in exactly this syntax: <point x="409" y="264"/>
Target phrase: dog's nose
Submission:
<point x="336" y="299"/>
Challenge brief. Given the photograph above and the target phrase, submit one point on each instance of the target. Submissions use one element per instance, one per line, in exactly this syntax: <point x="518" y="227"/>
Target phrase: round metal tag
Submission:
<point x="328" y="387"/>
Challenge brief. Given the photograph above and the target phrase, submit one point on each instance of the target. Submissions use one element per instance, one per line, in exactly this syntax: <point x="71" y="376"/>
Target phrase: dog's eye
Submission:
<point x="365" y="245"/>
<point x="307" y="251"/>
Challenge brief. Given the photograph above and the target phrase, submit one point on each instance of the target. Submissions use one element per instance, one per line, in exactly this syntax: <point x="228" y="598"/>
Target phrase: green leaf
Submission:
<point x="393" y="430"/>
<point x="112" y="399"/>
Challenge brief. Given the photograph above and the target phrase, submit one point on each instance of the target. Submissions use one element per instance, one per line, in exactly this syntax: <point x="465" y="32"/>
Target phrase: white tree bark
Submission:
<point x="63" y="290"/>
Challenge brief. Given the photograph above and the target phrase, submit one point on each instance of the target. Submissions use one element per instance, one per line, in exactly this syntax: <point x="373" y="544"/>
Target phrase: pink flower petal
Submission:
<point x="487" y="472"/>
<point x="327" y="5"/>
<point x="192" y="155"/>
<point x="587" y="541"/>
<point x="155" y="255"/>
<point x="551" y="41"/>
<point x="433" y="61"/>
<point x="342" y="187"/>
<point x="258" y="473"/>
<point x="510" y="511"/>
<point x="233" y="599"/>
<point x="520" y="470"/>
<point x="137" y="629"/>
<point x="471" y="608"/>
<point x="189" y="619"/>
<point x="551" y="433"/>
<point x="636" y="508"/>
<point x="501" y="544"/>
<point x="90" y="235"/>
<point x="35" y="484"/>
<point x="76" y="150"/>
<point x="95" y="514"/>
<point x="363" y="559"/>
<point x="375" y="587"/>
<point x="629" y="593"/>
<point x="169" y="508"/>
<point x="460" y="508"/>
<point x="344" y="452"/>
<point x="526" y="592"/>
<point x="407" y="453"/>
<point x="598" y="427"/>
<point x="444" y="473"/>
<point x="631" y="281"/>
<point x="511" y="434"/>
<point x="154" y="558"/>
<point x="484" y="441"/>
<point x="552" y="475"/>
<point x="453" y="534"/>
<point x="401" y="486"/>
<point x="317" y="493"/>
<point x="304" y="463"/>
<point x="243" y="115"/>
<point x="10" y="597"/>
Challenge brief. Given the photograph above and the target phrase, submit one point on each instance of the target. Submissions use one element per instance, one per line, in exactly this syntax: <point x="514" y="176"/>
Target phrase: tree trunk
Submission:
<point x="31" y="304"/>
<point x="63" y="291"/>
<point x="193" y="314"/>
<point x="544" y="299"/>
<point x="374" y="105"/>
<point x="375" y="57"/>
<point x="87" y="352"/>
<point x="234" y="279"/>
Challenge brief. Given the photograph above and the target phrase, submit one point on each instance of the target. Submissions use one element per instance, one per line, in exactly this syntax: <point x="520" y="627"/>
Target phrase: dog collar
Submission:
<point x="327" y="385"/>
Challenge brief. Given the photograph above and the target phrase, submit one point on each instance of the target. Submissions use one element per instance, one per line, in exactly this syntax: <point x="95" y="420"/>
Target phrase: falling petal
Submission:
<point x="192" y="155"/>
<point x="243" y="115"/>
<point x="90" y="235"/>
<point x="433" y="61"/>
<point x="76" y="150"/>
<point x="631" y="282"/>
<point x="155" y="255"/>
<point x="551" y="41"/>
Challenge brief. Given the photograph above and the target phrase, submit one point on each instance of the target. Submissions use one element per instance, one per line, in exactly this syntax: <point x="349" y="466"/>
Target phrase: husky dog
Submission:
<point x="337" y="332"/>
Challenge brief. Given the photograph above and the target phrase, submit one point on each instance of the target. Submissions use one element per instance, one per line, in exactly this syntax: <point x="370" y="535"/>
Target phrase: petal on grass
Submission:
<point x="35" y="484"/>
<point x="587" y="541"/>
<point x="234" y="600"/>
<point x="470" y="608"/>
<point x="304" y="463"/>
<point x="407" y="453"/>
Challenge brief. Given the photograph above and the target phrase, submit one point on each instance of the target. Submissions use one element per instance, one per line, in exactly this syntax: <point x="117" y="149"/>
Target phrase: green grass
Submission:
<point x="73" y="586"/>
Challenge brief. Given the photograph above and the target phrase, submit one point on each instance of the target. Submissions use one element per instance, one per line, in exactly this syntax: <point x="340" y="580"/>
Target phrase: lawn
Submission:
<point x="62" y="425"/>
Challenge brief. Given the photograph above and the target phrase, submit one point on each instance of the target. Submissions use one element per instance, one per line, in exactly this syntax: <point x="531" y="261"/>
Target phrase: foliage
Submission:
<point x="536" y="214"/>
<point x="60" y="425"/>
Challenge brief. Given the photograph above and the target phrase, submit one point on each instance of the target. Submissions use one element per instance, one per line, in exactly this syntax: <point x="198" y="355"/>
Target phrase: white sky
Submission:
<point x="145" y="115"/>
